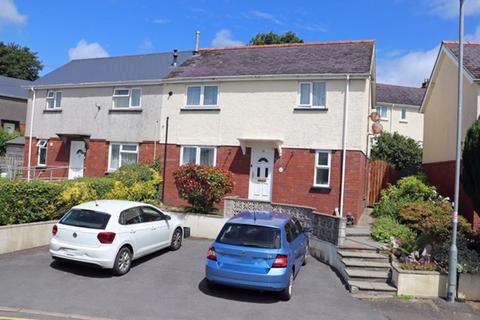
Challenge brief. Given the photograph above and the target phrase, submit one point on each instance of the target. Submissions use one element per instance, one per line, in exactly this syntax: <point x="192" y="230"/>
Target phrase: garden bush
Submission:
<point x="4" y="137"/>
<point x="134" y="173"/>
<point x="406" y="190"/>
<point x="202" y="186"/>
<point x="399" y="151"/>
<point x="432" y="221"/>
<point x="471" y="164"/>
<point x="22" y="202"/>
<point x="83" y="190"/>
<point x="468" y="260"/>
<point x="385" y="228"/>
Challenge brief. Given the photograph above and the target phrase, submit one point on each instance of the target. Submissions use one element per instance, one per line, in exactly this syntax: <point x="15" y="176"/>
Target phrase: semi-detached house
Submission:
<point x="278" y="117"/>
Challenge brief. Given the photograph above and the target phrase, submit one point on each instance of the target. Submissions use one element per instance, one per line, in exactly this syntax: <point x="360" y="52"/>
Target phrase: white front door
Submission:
<point x="261" y="174"/>
<point x="77" y="159"/>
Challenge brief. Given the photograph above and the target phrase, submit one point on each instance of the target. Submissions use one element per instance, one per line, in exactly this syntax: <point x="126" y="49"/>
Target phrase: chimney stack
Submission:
<point x="197" y="43"/>
<point x="175" y="57"/>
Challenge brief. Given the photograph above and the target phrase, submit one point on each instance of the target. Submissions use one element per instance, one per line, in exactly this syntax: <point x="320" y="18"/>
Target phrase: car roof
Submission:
<point x="110" y="206"/>
<point x="265" y="218"/>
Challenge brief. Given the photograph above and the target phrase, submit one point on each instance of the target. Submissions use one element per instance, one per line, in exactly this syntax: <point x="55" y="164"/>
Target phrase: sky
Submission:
<point x="407" y="32"/>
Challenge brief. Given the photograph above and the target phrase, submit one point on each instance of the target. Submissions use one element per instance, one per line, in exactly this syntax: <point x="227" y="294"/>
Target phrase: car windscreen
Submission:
<point x="250" y="236"/>
<point x="85" y="219"/>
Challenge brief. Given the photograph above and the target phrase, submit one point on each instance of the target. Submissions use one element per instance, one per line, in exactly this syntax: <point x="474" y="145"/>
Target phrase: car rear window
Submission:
<point x="250" y="236"/>
<point x="85" y="219"/>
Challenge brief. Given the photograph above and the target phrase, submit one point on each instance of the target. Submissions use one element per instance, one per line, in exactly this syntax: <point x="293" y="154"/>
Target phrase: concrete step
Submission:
<point x="368" y="275"/>
<point x="364" y="285"/>
<point x="372" y="295"/>
<point x="362" y="244"/>
<point x="363" y="231"/>
<point x="366" y="264"/>
<point x="365" y="255"/>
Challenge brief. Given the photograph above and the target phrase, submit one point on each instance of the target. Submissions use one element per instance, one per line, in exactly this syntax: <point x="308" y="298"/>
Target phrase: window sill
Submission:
<point x="187" y="108"/>
<point x="126" y="110"/>
<point x="384" y="119"/>
<point x="310" y="109"/>
<point x="52" y="110"/>
<point x="321" y="189"/>
<point x="403" y="121"/>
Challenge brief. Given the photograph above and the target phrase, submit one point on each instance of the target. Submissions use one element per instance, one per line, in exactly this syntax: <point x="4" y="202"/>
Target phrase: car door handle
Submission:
<point x="133" y="231"/>
<point x="154" y="228"/>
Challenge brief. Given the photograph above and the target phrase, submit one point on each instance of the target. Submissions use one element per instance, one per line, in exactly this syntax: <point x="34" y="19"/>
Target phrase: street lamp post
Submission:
<point x="452" y="262"/>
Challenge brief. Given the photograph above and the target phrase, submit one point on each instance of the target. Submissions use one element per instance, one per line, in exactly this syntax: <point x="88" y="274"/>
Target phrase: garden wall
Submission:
<point x="25" y="236"/>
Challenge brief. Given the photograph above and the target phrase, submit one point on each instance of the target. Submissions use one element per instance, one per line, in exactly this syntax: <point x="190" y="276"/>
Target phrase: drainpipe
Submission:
<point x="30" y="136"/>
<point x="344" y="144"/>
<point x="165" y="159"/>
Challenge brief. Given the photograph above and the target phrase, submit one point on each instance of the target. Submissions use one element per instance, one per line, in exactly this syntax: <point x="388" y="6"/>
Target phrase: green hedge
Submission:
<point x="23" y="202"/>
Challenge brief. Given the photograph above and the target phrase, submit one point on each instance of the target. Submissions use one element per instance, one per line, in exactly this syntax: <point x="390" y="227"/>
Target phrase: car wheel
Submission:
<point x="123" y="261"/>
<point x="176" y="239"/>
<point x="286" y="293"/>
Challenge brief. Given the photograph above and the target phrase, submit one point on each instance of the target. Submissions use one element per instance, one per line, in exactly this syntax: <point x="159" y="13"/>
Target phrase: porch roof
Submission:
<point x="253" y="142"/>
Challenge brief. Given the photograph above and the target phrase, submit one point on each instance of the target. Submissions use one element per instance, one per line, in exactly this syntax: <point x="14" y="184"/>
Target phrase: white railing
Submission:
<point x="12" y="168"/>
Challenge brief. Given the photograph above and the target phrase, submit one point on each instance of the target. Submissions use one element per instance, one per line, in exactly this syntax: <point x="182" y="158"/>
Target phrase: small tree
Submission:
<point x="399" y="151"/>
<point x="471" y="164"/>
<point x="4" y="138"/>
<point x="19" y="62"/>
<point x="202" y="186"/>
<point x="274" y="38"/>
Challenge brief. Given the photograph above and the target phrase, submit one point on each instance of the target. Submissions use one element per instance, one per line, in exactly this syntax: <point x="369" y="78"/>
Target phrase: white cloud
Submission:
<point x="85" y="50"/>
<point x="146" y="45"/>
<point x="161" y="21"/>
<point x="450" y="8"/>
<point x="408" y="69"/>
<point x="9" y="13"/>
<point x="265" y="16"/>
<point x="223" y="38"/>
<point x="473" y="36"/>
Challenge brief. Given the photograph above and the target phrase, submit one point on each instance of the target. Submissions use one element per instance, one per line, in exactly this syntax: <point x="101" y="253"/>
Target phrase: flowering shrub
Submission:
<point x="202" y="186"/>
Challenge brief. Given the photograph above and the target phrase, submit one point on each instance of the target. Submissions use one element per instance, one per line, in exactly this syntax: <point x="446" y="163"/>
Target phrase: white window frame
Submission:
<point x="310" y="104"/>
<point x="380" y="115"/>
<point x="6" y="126"/>
<point x="120" y="144"/>
<point x="197" y="154"/>
<point x="202" y="91"/>
<point x="317" y="166"/>
<point x="54" y="99"/>
<point x="402" y="118"/>
<point x="129" y="98"/>
<point x="42" y="144"/>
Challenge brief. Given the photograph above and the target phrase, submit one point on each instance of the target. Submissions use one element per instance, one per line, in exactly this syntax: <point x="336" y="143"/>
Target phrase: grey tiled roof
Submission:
<point x="471" y="55"/>
<point x="389" y="93"/>
<point x="17" y="140"/>
<point x="114" y="69"/>
<point x="12" y="87"/>
<point x="308" y="58"/>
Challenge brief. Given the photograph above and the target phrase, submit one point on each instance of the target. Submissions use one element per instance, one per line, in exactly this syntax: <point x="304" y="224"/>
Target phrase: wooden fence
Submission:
<point x="380" y="174"/>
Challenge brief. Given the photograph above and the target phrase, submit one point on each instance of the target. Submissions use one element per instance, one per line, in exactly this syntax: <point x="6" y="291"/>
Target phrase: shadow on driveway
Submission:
<point x="237" y="294"/>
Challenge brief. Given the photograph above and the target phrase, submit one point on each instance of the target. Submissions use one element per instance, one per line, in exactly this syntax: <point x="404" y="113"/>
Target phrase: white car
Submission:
<point x="113" y="233"/>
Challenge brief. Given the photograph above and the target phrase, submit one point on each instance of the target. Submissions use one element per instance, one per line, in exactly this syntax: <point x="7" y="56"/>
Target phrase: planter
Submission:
<point x="469" y="286"/>
<point x="422" y="284"/>
<point x="18" y="237"/>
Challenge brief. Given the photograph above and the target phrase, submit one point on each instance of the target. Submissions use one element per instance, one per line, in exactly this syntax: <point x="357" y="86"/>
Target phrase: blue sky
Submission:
<point x="407" y="32"/>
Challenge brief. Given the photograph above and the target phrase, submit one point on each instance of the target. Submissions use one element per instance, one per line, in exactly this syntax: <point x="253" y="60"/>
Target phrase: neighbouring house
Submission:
<point x="278" y="117"/>
<point x="399" y="109"/>
<point x="13" y="103"/>
<point x="440" y="115"/>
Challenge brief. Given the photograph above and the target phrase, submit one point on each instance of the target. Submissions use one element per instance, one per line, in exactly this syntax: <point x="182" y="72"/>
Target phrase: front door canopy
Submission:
<point x="261" y="142"/>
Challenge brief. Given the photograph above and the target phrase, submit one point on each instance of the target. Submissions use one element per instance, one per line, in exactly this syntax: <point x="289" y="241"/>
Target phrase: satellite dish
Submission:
<point x="375" y="116"/>
<point x="377" y="128"/>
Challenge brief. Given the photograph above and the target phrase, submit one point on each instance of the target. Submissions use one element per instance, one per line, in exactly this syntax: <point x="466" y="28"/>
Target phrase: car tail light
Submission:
<point x="106" y="237"/>
<point x="281" y="261"/>
<point x="211" y="255"/>
<point x="54" y="230"/>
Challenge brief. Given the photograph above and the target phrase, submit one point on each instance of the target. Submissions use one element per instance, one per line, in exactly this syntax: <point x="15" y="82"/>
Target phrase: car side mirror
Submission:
<point x="168" y="218"/>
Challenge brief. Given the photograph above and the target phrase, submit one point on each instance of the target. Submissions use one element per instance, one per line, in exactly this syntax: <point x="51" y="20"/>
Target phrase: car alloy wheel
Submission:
<point x="176" y="239"/>
<point x="123" y="261"/>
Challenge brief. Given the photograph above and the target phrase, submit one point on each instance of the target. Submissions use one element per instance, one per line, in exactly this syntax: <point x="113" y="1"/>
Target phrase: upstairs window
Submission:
<point x="54" y="100"/>
<point x="322" y="169"/>
<point x="122" y="154"/>
<point x="312" y="94"/>
<point x="198" y="155"/>
<point x="382" y="112"/>
<point x="403" y="114"/>
<point x="202" y="96"/>
<point x="42" y="152"/>
<point x="127" y="98"/>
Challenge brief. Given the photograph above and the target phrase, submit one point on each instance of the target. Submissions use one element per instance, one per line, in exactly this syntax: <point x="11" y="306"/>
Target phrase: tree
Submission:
<point x="471" y="164"/>
<point x="19" y="62"/>
<point x="4" y="138"/>
<point x="399" y="151"/>
<point x="273" y="38"/>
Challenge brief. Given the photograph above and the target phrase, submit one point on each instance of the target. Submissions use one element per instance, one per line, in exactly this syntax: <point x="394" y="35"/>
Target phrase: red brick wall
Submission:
<point x="442" y="175"/>
<point x="293" y="185"/>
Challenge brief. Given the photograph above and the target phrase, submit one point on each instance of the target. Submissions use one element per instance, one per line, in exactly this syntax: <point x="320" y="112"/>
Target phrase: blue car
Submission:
<point x="261" y="251"/>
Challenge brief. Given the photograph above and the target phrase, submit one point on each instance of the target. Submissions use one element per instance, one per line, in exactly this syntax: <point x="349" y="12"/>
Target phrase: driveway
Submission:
<point x="167" y="285"/>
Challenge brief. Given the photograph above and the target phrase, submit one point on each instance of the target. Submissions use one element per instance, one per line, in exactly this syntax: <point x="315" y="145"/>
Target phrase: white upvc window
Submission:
<point x="403" y="115"/>
<point x="382" y="112"/>
<point x="312" y="95"/>
<point x="122" y="154"/>
<point x="202" y="96"/>
<point x="126" y="98"/>
<point x="9" y="127"/>
<point x="198" y="155"/>
<point x="42" y="152"/>
<point x="322" y="169"/>
<point x="54" y="100"/>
